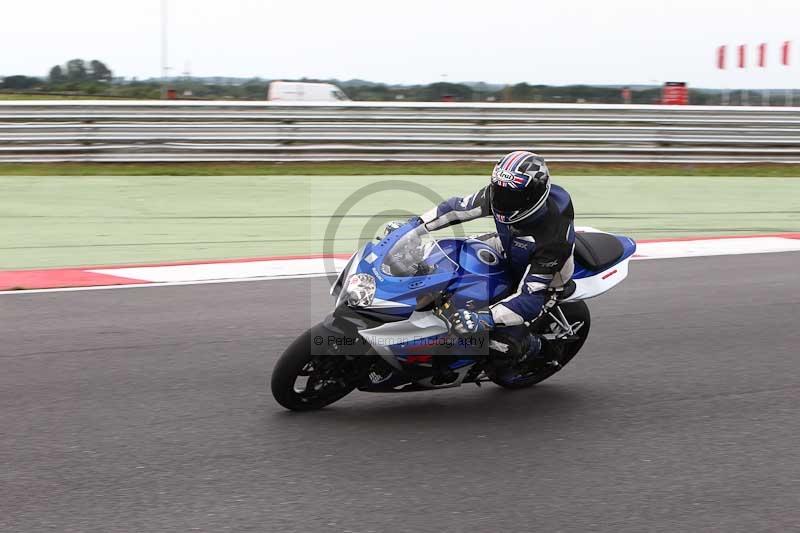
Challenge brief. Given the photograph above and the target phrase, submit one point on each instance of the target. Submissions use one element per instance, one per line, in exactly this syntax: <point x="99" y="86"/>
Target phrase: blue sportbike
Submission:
<point x="389" y="330"/>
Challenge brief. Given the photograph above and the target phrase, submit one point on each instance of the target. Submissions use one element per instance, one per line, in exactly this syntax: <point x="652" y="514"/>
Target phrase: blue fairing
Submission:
<point x="483" y="278"/>
<point x="403" y="290"/>
<point x="471" y="272"/>
<point x="468" y="269"/>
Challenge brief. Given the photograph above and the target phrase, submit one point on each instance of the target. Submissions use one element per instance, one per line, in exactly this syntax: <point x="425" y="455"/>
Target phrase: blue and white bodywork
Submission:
<point x="401" y="277"/>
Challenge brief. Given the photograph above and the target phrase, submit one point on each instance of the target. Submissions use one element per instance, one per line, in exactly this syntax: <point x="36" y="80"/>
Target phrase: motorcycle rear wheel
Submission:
<point x="326" y="381"/>
<point x="559" y="351"/>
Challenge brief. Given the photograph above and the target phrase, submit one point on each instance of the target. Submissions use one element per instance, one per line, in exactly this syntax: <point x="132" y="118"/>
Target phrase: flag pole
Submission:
<point x="762" y="63"/>
<point x="785" y="63"/>
<point x="721" y="53"/>
<point x="164" y="67"/>
<point x="744" y="94"/>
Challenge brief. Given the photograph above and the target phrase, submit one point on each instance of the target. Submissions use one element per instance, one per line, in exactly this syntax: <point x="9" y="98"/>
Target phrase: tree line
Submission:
<point x="94" y="78"/>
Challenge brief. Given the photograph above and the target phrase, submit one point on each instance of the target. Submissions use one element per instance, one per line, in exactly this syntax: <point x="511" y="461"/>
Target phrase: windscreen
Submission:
<point x="419" y="253"/>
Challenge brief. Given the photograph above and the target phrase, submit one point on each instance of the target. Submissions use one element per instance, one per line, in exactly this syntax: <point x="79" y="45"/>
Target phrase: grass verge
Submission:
<point x="372" y="169"/>
<point x="52" y="221"/>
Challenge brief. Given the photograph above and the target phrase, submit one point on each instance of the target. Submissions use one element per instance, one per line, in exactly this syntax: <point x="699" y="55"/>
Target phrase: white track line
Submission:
<point x="712" y="247"/>
<point x="213" y="271"/>
<point x="280" y="269"/>
<point x="160" y="284"/>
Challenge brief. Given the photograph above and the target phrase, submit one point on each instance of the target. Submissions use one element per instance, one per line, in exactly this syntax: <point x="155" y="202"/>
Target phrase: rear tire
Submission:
<point x="324" y="373"/>
<point x="559" y="351"/>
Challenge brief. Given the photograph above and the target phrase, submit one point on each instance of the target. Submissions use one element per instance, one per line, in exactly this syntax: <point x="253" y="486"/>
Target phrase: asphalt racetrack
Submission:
<point x="147" y="410"/>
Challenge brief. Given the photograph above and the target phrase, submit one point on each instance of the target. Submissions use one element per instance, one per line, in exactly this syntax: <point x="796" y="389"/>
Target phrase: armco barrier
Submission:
<point x="138" y="131"/>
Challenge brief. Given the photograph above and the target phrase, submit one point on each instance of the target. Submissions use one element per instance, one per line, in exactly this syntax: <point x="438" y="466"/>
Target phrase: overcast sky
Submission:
<point x="411" y="41"/>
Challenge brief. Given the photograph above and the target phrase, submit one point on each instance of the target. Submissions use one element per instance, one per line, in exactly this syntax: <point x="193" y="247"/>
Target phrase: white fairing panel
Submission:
<point x="420" y="325"/>
<point x="599" y="283"/>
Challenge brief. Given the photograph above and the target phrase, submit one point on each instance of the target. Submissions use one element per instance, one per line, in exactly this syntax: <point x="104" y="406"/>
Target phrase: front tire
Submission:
<point x="326" y="376"/>
<point x="559" y="352"/>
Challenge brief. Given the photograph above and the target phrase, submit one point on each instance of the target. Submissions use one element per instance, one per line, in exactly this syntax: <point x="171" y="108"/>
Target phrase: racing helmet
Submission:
<point x="519" y="188"/>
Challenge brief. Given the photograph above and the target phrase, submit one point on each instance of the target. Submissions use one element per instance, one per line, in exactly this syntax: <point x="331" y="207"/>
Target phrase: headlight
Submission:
<point x="360" y="290"/>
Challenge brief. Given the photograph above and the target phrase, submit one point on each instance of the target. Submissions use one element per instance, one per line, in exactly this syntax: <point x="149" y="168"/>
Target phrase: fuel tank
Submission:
<point x="484" y="279"/>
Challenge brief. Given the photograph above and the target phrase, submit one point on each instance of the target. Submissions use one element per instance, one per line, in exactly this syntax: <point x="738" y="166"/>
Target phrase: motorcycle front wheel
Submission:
<point x="302" y="381"/>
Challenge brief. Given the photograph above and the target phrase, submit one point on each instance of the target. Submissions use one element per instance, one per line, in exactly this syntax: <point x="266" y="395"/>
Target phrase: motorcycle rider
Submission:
<point x="535" y="235"/>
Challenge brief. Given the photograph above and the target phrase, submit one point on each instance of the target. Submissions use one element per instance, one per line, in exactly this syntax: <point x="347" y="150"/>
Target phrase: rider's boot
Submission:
<point x="443" y="374"/>
<point x="534" y="349"/>
<point x="513" y="346"/>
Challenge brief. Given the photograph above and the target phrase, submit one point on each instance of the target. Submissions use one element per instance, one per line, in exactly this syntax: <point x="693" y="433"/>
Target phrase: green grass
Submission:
<point x="48" y="221"/>
<point x="365" y="168"/>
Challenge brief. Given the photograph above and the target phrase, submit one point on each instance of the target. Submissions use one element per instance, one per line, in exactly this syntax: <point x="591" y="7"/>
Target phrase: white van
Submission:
<point x="297" y="91"/>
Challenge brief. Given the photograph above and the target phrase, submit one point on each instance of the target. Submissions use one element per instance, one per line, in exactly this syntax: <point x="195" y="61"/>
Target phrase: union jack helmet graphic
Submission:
<point x="520" y="187"/>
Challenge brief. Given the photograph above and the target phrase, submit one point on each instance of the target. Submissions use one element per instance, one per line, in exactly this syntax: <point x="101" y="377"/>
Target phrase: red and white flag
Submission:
<point x="742" y="55"/>
<point x="721" y="57"/>
<point x="785" y="52"/>
<point x="762" y="55"/>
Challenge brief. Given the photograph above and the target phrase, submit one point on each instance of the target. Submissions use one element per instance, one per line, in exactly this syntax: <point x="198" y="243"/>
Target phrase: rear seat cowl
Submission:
<point x="597" y="251"/>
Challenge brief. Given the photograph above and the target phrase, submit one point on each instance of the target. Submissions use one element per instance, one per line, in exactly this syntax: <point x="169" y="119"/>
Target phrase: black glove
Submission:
<point x="465" y="322"/>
